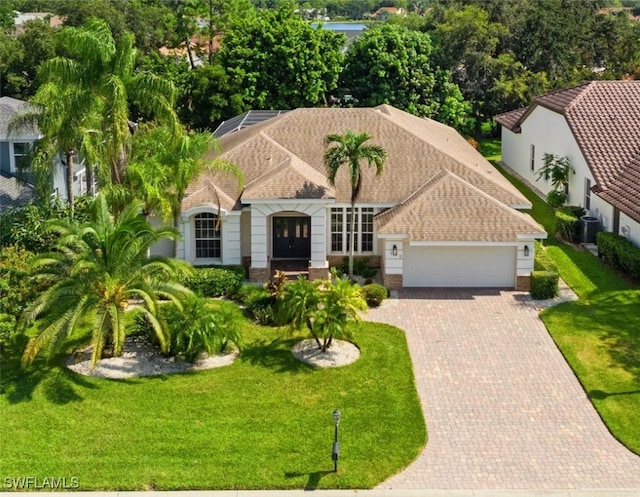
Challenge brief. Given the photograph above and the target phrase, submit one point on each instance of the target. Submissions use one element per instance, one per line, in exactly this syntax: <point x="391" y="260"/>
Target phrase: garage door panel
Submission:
<point x="459" y="267"/>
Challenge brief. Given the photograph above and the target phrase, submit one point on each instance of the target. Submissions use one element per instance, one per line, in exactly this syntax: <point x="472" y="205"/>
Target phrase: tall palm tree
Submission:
<point x="102" y="70"/>
<point x="98" y="269"/>
<point x="349" y="149"/>
<point x="69" y="126"/>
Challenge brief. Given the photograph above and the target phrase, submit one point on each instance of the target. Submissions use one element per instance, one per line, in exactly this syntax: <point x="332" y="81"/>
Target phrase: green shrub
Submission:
<point x="198" y="328"/>
<point x="374" y="294"/>
<point x="360" y="267"/>
<point x="260" y="304"/>
<point x="556" y="198"/>
<point x="619" y="252"/>
<point x="215" y="281"/>
<point x="7" y="330"/>
<point x="542" y="261"/>
<point x="567" y="226"/>
<point x="544" y="285"/>
<point x="15" y="292"/>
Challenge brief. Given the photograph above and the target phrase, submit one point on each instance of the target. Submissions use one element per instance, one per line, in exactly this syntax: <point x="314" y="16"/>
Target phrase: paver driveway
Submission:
<point x="503" y="408"/>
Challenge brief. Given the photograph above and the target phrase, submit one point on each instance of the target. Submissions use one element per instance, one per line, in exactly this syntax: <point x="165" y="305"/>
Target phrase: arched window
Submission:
<point x="207" y="236"/>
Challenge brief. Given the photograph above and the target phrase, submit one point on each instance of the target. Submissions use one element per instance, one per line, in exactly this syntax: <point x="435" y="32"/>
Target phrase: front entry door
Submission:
<point x="291" y="237"/>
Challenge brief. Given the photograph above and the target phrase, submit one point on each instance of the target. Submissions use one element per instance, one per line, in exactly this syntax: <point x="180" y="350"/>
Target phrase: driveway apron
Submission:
<point x="503" y="409"/>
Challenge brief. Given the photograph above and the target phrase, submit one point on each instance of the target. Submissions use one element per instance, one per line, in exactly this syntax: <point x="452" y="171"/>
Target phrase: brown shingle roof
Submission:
<point x="448" y="209"/>
<point x="283" y="158"/>
<point x="604" y="117"/>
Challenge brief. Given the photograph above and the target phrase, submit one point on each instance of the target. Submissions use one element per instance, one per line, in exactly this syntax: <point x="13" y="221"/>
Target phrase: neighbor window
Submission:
<point x="587" y="194"/>
<point x="207" y="236"/>
<point x="341" y="229"/>
<point x="21" y="155"/>
<point x="533" y="158"/>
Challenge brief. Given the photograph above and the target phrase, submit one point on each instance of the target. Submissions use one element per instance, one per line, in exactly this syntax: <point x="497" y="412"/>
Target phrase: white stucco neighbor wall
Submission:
<point x="547" y="132"/>
<point x="631" y="227"/>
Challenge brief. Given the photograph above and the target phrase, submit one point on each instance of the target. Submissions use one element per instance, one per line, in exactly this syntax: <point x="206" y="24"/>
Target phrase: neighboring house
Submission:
<point x="23" y="17"/>
<point x="597" y="126"/>
<point x="15" y="148"/>
<point x="13" y="193"/>
<point x="440" y="214"/>
<point x="383" y="13"/>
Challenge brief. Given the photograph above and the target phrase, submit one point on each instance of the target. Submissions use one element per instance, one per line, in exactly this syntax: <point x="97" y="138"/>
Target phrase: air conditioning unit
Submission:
<point x="625" y="231"/>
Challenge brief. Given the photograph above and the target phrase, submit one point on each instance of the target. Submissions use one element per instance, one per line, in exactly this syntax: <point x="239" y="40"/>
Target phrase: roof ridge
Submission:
<point x="580" y="96"/>
<point x="385" y="216"/>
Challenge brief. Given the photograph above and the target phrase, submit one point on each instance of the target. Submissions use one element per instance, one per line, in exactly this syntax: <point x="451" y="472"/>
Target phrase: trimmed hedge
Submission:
<point x="542" y="261"/>
<point x="568" y="222"/>
<point x="544" y="278"/>
<point x="374" y="294"/>
<point x="544" y="285"/>
<point x="215" y="281"/>
<point x="619" y="252"/>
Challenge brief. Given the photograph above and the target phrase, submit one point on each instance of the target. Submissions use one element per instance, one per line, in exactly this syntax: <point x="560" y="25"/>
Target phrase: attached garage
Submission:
<point x="471" y="266"/>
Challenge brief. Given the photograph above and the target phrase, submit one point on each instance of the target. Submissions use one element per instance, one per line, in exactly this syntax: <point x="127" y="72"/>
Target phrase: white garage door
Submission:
<point x="459" y="266"/>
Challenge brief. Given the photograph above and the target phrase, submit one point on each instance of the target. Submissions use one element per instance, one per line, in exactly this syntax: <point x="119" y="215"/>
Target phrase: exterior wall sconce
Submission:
<point x="526" y="250"/>
<point x="394" y="250"/>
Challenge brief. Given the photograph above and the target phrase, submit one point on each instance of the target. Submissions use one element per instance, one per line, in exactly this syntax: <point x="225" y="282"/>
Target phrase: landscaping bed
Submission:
<point x="263" y="422"/>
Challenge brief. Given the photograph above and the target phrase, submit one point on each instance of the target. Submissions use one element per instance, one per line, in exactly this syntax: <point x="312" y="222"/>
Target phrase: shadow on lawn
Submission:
<point x="58" y="384"/>
<point x="275" y="355"/>
<point x="313" y="478"/>
<point x="600" y="395"/>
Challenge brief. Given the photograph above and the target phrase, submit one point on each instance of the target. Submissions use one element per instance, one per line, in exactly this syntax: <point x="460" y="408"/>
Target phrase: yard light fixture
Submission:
<point x="394" y="250"/>
<point x="335" y="453"/>
<point x="526" y="250"/>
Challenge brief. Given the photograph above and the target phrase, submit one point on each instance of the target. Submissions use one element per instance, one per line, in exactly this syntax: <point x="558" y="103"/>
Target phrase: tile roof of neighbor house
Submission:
<point x="604" y="117"/>
<point x="13" y="193"/>
<point x="282" y="158"/>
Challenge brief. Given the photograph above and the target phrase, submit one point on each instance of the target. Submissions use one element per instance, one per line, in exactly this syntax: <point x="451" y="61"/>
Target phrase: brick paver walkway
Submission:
<point x="503" y="408"/>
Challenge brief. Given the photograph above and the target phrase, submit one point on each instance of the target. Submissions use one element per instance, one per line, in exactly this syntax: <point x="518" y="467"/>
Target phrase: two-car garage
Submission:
<point x="459" y="266"/>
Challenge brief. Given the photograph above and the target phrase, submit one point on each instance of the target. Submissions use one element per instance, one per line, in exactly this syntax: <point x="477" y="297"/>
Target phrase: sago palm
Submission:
<point x="98" y="270"/>
<point x="350" y="150"/>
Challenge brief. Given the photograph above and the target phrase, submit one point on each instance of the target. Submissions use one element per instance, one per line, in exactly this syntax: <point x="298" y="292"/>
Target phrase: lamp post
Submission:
<point x="335" y="453"/>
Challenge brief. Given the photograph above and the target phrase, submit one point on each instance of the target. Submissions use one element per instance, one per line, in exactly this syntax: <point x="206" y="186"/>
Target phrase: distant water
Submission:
<point x="341" y="26"/>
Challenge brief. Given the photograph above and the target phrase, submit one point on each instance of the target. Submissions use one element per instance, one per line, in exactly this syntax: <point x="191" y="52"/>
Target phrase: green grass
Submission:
<point x="599" y="334"/>
<point x="263" y="422"/>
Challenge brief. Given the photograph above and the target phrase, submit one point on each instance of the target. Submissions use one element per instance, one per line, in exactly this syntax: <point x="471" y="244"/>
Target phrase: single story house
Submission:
<point x="597" y="126"/>
<point x="439" y="216"/>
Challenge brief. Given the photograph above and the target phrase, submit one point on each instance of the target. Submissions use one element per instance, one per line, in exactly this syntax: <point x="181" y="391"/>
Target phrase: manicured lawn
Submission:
<point x="263" y="422"/>
<point x="599" y="334"/>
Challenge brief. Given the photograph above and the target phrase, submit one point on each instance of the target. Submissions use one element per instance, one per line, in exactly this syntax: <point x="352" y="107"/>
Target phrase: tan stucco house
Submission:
<point x="440" y="215"/>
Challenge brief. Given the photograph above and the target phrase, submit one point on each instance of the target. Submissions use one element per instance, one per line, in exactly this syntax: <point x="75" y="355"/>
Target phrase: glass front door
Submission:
<point x="291" y="237"/>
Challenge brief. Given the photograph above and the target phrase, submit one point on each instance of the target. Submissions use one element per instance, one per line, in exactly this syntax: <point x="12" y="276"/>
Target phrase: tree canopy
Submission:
<point x="394" y="65"/>
<point x="275" y="60"/>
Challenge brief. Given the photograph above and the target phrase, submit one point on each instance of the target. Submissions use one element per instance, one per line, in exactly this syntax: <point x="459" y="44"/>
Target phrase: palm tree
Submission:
<point x="324" y="308"/>
<point x="162" y="168"/>
<point x="69" y="127"/>
<point x="97" y="271"/>
<point x="350" y="150"/>
<point x="102" y="71"/>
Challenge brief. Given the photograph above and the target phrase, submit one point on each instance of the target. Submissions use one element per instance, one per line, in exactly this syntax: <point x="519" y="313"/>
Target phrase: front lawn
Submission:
<point x="599" y="334"/>
<point x="264" y="422"/>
